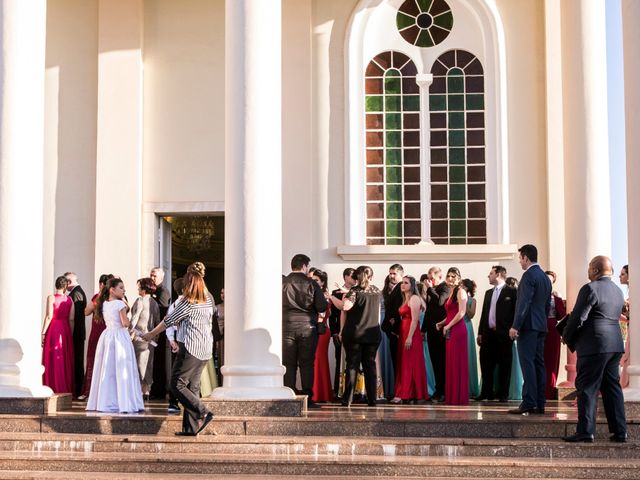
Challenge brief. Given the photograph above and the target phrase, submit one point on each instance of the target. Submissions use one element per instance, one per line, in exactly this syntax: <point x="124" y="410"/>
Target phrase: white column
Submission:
<point x="631" y="46"/>
<point x="253" y="199"/>
<point x="586" y="149"/>
<point x="22" y="63"/>
<point x="424" y="81"/>
<point x="119" y="141"/>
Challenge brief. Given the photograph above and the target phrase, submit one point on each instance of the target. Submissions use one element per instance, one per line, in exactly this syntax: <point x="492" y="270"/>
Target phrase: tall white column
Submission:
<point x="253" y="238"/>
<point x="586" y="149"/>
<point x="22" y="62"/>
<point x="631" y="46"/>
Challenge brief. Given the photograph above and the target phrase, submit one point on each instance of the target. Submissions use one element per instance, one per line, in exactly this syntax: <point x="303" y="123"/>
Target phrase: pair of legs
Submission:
<point x="495" y="351"/>
<point x="299" y="350"/>
<point x="531" y="355"/>
<point x="595" y="373"/>
<point x="365" y="354"/>
<point x="185" y="385"/>
<point x="438" y="353"/>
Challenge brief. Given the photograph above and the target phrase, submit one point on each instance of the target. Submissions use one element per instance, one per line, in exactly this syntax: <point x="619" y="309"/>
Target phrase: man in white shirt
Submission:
<point x="498" y="310"/>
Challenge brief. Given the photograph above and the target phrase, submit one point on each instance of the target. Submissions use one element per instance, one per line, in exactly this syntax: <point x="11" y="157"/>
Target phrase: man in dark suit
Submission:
<point x="530" y="327"/>
<point x="593" y="332"/>
<point x="302" y="301"/>
<point x="498" y="310"/>
<point x="79" y="330"/>
<point x="162" y="353"/>
<point x="393" y="300"/>
<point x="437" y="294"/>
<point x="334" y="322"/>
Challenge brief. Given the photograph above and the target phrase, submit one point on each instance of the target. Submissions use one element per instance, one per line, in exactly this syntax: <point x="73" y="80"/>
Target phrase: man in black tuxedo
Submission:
<point x="162" y="354"/>
<point x="530" y="327"/>
<point x="498" y="310"/>
<point x="393" y="300"/>
<point x="334" y="322"/>
<point x="79" y="330"/>
<point x="593" y="332"/>
<point x="437" y="294"/>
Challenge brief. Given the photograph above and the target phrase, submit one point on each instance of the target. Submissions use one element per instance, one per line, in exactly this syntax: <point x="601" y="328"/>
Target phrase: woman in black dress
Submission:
<point x="360" y="333"/>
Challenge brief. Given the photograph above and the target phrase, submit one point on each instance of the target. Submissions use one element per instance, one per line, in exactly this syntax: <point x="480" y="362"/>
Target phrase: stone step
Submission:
<point x="25" y="475"/>
<point x="388" y="447"/>
<point x="335" y="465"/>
<point x="413" y="424"/>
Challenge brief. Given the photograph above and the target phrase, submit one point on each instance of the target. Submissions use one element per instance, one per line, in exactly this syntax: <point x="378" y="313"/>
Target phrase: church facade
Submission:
<point x="424" y="132"/>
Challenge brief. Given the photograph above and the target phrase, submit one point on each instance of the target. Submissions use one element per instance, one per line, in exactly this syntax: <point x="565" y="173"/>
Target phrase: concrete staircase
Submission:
<point x="436" y="442"/>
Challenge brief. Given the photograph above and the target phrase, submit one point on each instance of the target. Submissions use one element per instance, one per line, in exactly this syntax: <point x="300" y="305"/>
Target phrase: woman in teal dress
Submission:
<point x="515" y="385"/>
<point x="474" y="385"/>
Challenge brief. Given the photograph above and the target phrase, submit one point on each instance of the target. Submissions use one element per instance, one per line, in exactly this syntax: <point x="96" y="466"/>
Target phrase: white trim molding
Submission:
<point x="374" y="253"/>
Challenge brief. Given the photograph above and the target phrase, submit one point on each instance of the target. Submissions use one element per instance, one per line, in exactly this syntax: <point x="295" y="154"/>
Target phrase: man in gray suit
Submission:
<point x="594" y="332"/>
<point x="530" y="327"/>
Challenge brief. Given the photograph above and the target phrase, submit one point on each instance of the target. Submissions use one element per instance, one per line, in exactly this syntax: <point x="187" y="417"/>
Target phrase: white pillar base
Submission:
<point x="248" y="382"/>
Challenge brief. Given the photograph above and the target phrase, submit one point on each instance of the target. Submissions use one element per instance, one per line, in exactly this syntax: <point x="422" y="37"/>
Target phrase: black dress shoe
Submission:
<point x="618" y="438"/>
<point x="206" y="421"/>
<point x="522" y="410"/>
<point x="186" y="434"/>
<point x="482" y="398"/>
<point x="503" y="400"/>
<point x="538" y="411"/>
<point x="579" y="438"/>
<point x="311" y="404"/>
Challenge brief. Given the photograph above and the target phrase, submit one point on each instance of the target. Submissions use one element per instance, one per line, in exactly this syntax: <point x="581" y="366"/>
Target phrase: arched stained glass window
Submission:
<point x="392" y="110"/>
<point x="457" y="170"/>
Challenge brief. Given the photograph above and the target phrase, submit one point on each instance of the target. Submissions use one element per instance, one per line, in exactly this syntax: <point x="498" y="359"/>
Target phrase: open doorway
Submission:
<point x="185" y="239"/>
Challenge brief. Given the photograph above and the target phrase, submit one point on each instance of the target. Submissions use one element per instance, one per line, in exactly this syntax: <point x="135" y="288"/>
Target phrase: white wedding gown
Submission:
<point x="115" y="386"/>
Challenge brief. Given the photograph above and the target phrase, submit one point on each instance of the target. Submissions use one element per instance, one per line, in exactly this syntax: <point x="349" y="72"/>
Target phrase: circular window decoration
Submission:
<point x="424" y="23"/>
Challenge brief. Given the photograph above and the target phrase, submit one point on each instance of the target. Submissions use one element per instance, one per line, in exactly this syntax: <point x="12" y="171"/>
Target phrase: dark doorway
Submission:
<point x="194" y="238"/>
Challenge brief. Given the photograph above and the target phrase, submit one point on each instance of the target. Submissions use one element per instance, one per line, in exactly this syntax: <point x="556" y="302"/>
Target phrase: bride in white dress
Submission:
<point x="115" y="386"/>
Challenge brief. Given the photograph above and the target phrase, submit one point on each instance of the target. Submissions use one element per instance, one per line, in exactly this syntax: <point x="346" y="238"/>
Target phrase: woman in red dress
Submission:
<point x="411" y="375"/>
<point x="552" y="341"/>
<point x="97" y="327"/>
<point x="322" y="387"/>
<point x="456" y="383"/>
<point x="57" y="340"/>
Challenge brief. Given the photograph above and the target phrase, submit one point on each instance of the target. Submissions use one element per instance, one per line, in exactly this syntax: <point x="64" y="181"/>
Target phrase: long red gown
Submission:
<point x="456" y="385"/>
<point x="97" y="327"/>
<point x="552" y="349"/>
<point x="322" y="387"/>
<point x="411" y="375"/>
<point x="57" y="351"/>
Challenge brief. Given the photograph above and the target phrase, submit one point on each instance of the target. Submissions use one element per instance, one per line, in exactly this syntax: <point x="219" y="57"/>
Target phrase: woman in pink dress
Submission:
<point x="97" y="327"/>
<point x="322" y="389"/>
<point x="411" y="375"/>
<point x="57" y="340"/>
<point x="456" y="383"/>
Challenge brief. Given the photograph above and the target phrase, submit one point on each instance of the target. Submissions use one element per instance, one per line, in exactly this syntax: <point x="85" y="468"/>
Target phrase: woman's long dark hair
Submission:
<point x="104" y="295"/>
<point x="470" y="285"/>
<point x="413" y="289"/>
<point x="454" y="295"/>
<point x="324" y="278"/>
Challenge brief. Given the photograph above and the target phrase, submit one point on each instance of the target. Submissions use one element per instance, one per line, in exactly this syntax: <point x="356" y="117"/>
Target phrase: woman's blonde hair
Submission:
<point x="194" y="290"/>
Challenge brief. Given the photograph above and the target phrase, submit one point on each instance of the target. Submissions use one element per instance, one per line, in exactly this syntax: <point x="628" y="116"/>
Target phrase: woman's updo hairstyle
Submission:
<point x="104" y="295"/>
<point x="197" y="268"/>
<point x="61" y="283"/>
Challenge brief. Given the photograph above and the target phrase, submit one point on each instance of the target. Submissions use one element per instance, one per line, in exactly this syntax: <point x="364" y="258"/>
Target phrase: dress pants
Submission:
<point x="160" y="371"/>
<point x="495" y="350"/>
<point x="185" y="385"/>
<point x="365" y="354"/>
<point x="393" y="350"/>
<point x="438" y="353"/>
<point x="337" y="345"/>
<point x="595" y="373"/>
<point x="531" y="355"/>
<point x="299" y="350"/>
<point x="78" y="357"/>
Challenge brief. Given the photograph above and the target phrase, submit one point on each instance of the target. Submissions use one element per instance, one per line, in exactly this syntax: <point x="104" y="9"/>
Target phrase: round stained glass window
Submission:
<point x="424" y="23"/>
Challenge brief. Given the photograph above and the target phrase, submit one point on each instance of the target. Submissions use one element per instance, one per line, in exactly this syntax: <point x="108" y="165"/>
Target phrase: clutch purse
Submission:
<point x="562" y="324"/>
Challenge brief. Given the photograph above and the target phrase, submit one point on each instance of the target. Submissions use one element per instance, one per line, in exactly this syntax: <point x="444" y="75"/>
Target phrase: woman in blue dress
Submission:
<point x="515" y="385"/>
<point x="474" y="385"/>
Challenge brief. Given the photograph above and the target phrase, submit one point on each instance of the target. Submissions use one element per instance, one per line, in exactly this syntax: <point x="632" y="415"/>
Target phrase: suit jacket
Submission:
<point x="302" y="301"/>
<point x="593" y="326"/>
<point x="392" y="303"/>
<point x="505" y="311"/>
<point x="334" y="316"/>
<point x="435" y="312"/>
<point x="532" y="307"/>
<point x="79" y="303"/>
